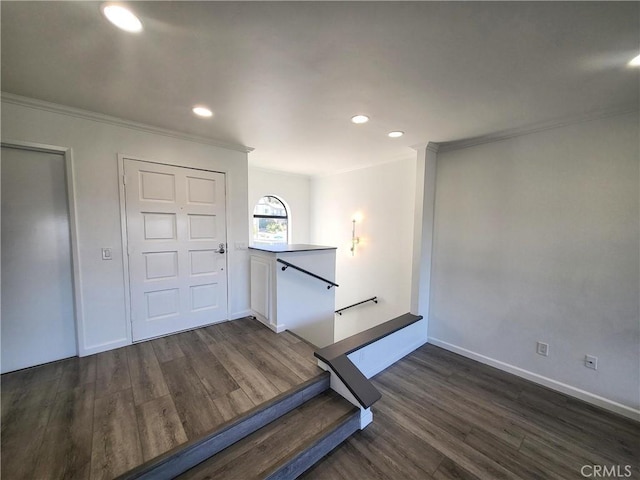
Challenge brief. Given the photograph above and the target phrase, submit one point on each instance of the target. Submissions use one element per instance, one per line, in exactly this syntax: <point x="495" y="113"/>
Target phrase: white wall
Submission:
<point x="96" y="145"/>
<point x="381" y="266"/>
<point x="537" y="238"/>
<point x="293" y="189"/>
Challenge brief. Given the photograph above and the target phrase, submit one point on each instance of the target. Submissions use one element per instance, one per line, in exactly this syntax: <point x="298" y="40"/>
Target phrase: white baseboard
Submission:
<point x="588" y="397"/>
<point x="274" y="328"/>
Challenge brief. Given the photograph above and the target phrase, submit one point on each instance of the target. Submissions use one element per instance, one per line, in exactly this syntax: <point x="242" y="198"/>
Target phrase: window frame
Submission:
<point x="286" y="217"/>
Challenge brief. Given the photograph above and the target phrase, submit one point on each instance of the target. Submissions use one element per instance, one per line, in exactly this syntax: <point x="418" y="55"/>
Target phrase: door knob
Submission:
<point x="221" y="248"/>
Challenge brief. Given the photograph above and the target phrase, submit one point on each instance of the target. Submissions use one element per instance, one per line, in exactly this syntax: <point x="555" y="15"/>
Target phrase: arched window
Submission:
<point x="270" y="221"/>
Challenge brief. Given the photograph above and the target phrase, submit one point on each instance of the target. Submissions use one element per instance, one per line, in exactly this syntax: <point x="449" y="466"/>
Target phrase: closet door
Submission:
<point x="38" y="323"/>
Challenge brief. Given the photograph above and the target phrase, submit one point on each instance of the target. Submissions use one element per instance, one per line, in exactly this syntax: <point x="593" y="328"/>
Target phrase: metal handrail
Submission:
<point x="372" y="299"/>
<point x="287" y="265"/>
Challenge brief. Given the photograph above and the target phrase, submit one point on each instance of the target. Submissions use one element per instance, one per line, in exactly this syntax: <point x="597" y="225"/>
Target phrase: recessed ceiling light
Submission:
<point x="396" y="134"/>
<point x="122" y="17"/>
<point x="635" y="62"/>
<point x="202" y="111"/>
<point x="360" y="119"/>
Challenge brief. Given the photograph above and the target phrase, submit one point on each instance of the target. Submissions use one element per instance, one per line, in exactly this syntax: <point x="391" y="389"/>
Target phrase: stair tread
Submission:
<point x="257" y="454"/>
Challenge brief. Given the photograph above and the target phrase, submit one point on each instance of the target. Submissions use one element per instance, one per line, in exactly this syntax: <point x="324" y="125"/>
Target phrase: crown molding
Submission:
<point x="431" y="146"/>
<point x="115" y="121"/>
<point x="517" y="132"/>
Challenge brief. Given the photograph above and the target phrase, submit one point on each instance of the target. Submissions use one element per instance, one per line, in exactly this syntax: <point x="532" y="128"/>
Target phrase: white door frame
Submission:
<point x="76" y="278"/>
<point x="123" y="230"/>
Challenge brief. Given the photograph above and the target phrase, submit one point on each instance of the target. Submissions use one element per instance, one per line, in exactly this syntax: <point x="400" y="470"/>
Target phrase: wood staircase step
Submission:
<point x="186" y="456"/>
<point x="286" y="447"/>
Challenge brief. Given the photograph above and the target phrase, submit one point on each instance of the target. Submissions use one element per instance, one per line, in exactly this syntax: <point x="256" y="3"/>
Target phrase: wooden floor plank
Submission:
<point x="304" y="350"/>
<point x="146" y="375"/>
<point x="233" y="404"/>
<point x="204" y="335"/>
<point x="66" y="446"/>
<point x="116" y="444"/>
<point x="509" y="457"/>
<point x="214" y="376"/>
<point x="22" y="434"/>
<point x="112" y="372"/>
<point x="160" y="427"/>
<point x="449" y="470"/>
<point x="445" y="443"/>
<point x="195" y="407"/>
<point x="192" y="344"/>
<point x="167" y="348"/>
<point x="416" y="390"/>
<point x="227" y="329"/>
<point x="38" y="396"/>
<point x="275" y="371"/>
<point x="290" y="358"/>
<point x="254" y="384"/>
<point x="351" y="464"/>
<point x="30" y="377"/>
<point x="438" y="417"/>
<point x="552" y="460"/>
<point x="77" y="372"/>
<point x="325" y="469"/>
<point x="379" y="443"/>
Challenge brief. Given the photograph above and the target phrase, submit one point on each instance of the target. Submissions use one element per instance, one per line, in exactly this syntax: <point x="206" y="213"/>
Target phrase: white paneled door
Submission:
<point x="176" y="239"/>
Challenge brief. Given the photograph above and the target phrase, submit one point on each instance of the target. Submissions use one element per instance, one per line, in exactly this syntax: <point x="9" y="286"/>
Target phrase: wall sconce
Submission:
<point x="354" y="240"/>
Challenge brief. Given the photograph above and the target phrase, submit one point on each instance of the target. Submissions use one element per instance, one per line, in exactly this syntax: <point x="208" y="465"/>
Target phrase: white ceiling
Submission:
<point x="285" y="77"/>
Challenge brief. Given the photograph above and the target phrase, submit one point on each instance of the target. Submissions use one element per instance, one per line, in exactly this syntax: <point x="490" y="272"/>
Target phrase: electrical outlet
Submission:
<point x="591" y="362"/>
<point x="106" y="254"/>
<point x="542" y="349"/>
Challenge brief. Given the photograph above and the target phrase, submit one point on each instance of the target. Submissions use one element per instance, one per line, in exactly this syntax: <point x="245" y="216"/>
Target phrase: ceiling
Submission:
<point x="286" y="77"/>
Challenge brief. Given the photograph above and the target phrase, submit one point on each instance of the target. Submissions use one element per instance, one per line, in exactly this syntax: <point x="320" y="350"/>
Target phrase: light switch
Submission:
<point x="106" y="254"/>
<point x="241" y="245"/>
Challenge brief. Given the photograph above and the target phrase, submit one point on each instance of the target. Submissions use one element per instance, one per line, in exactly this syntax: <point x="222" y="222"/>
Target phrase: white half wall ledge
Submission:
<point x="377" y="356"/>
<point x="578" y="393"/>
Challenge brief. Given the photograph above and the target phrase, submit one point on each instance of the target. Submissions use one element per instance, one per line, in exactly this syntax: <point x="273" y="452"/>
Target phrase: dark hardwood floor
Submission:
<point x="443" y="416"/>
<point x="97" y="417"/>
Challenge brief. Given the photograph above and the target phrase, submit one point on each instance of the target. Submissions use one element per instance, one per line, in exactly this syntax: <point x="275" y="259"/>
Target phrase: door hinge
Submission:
<point x="124" y="179"/>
